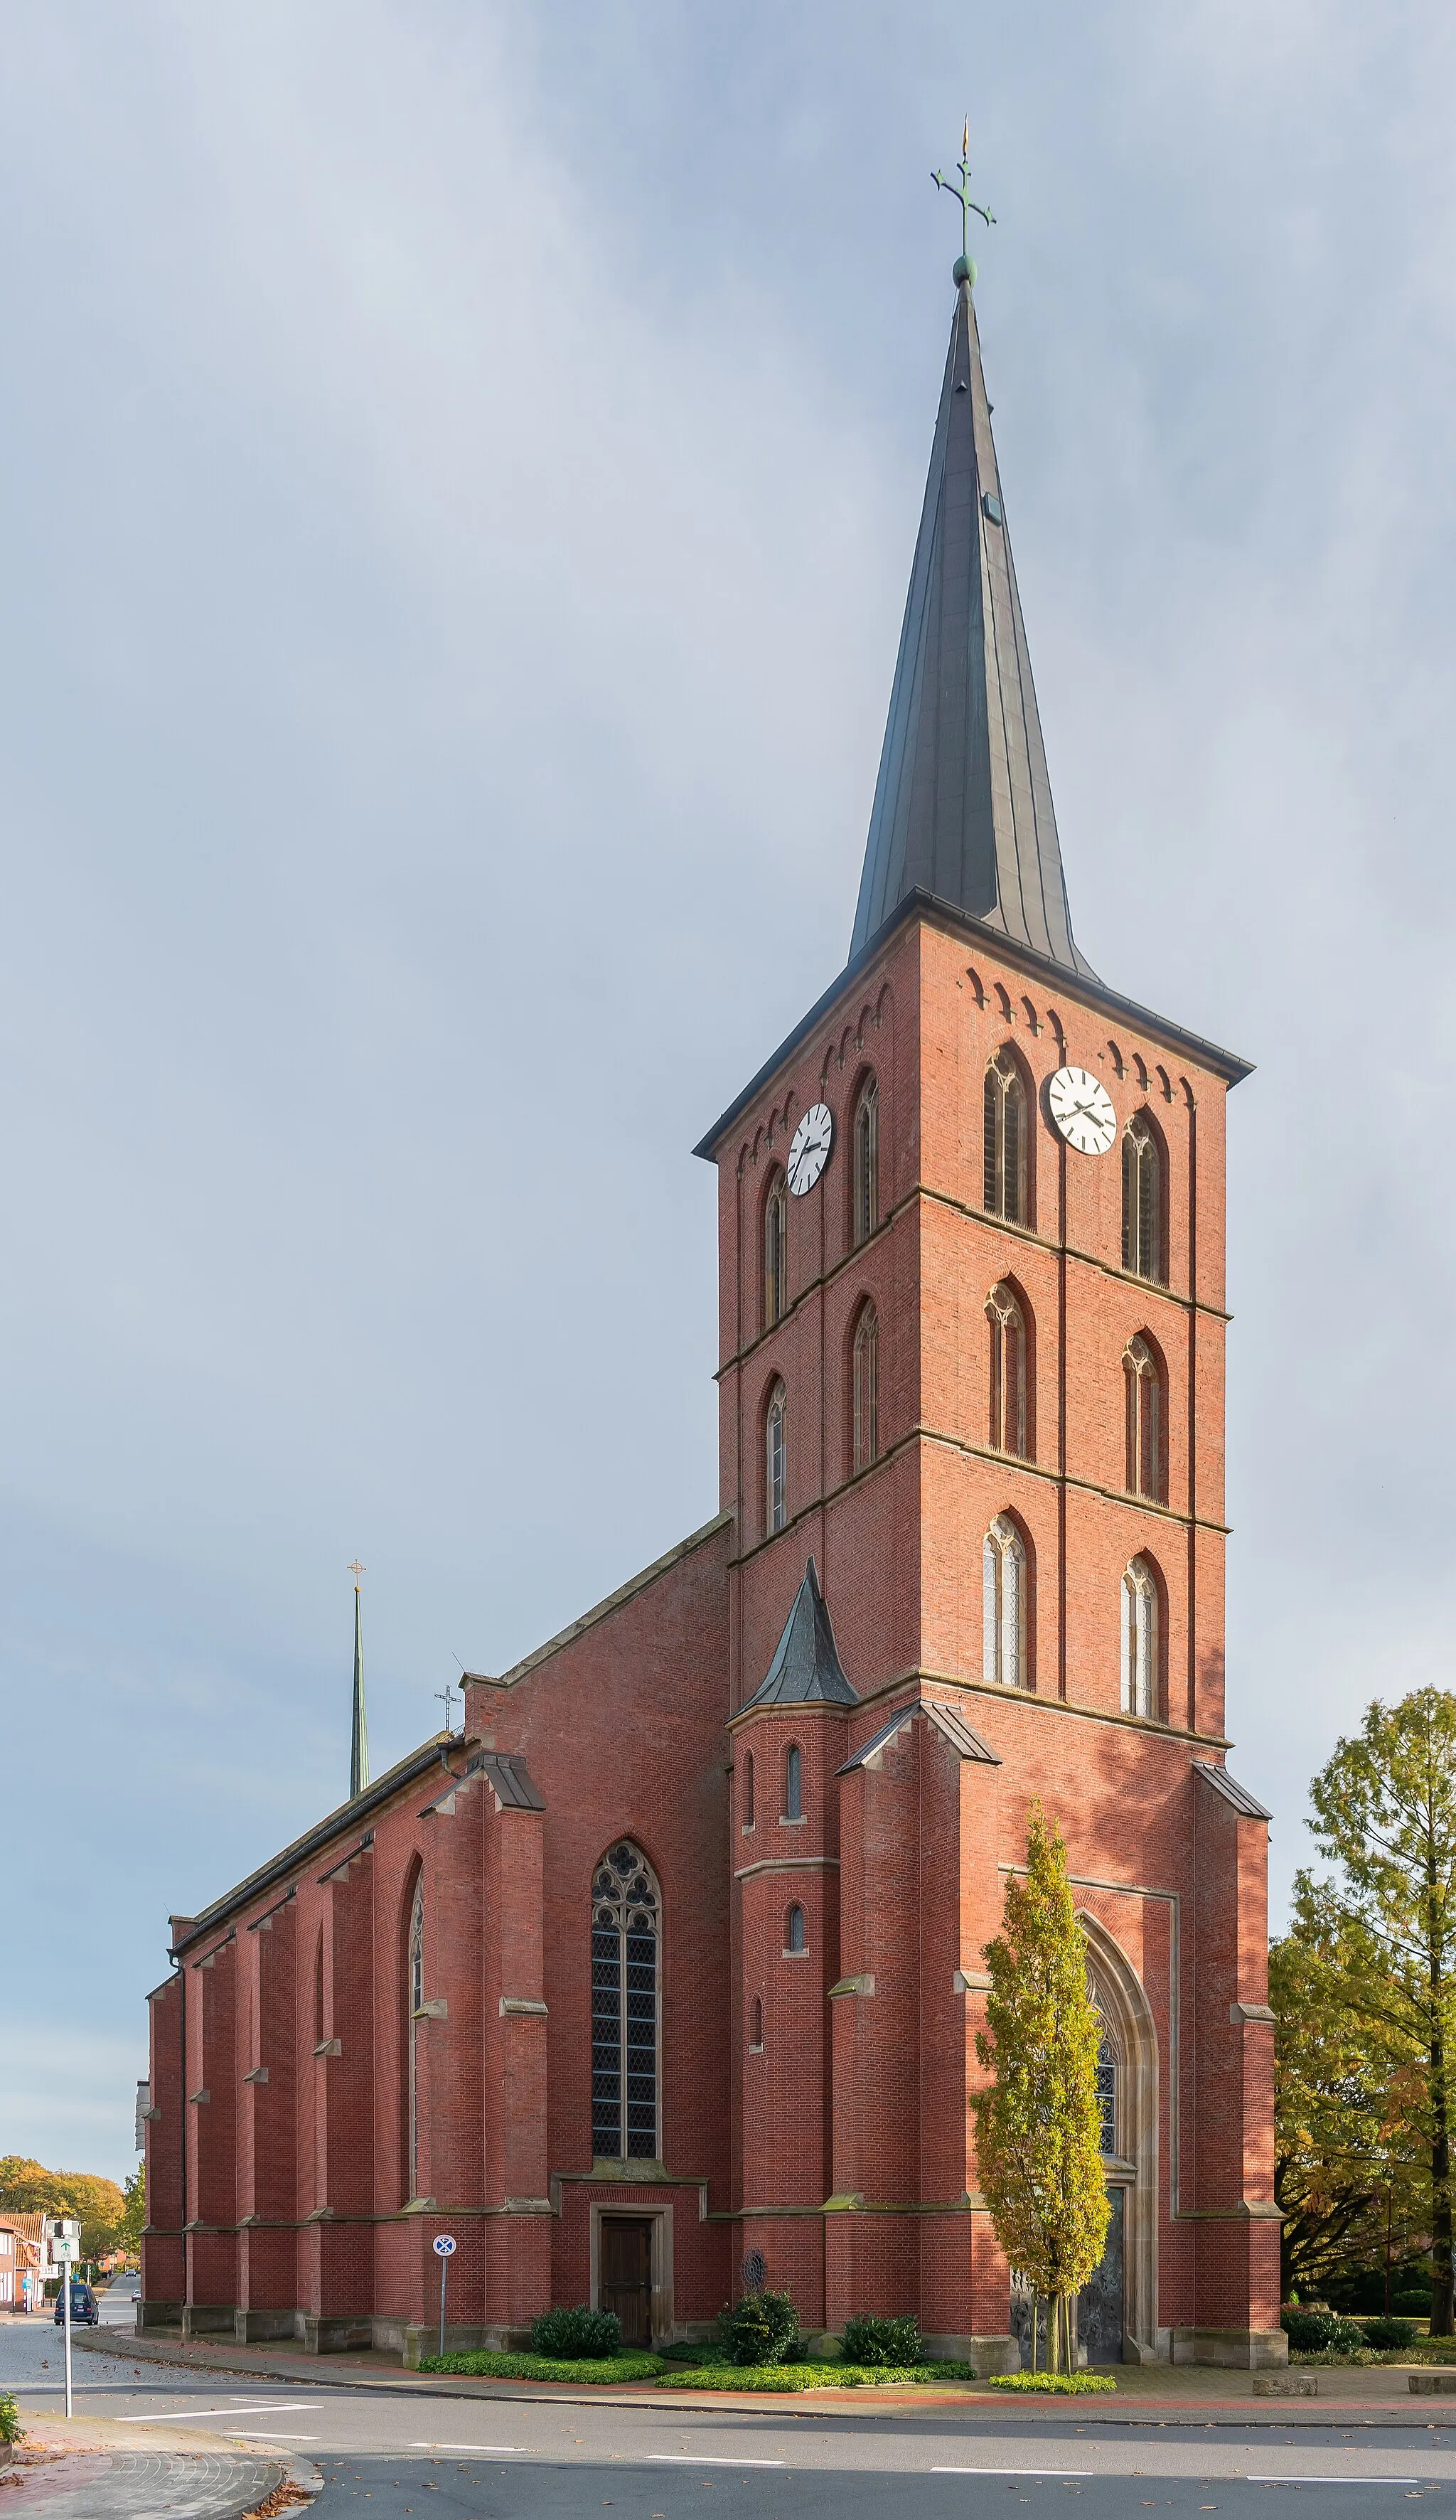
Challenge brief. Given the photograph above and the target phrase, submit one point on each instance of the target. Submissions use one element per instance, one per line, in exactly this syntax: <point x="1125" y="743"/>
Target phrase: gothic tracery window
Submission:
<point x="775" y="1251"/>
<point x="867" y="1379"/>
<point x="1004" y="1181"/>
<point x="626" y="1910"/>
<point x="1142" y="1202"/>
<point x="776" y="1460"/>
<point x="414" y="2007"/>
<point x="1139" y="1639"/>
<point x="1008" y="1372"/>
<point x="1144" y="1398"/>
<point x="1004" y="1595"/>
<point x="866" y="1161"/>
<point x="1107" y="2092"/>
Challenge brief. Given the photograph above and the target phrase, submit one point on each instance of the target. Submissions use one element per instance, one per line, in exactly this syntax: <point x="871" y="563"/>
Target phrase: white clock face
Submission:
<point x="810" y="1152"/>
<point x="1082" y="1111"/>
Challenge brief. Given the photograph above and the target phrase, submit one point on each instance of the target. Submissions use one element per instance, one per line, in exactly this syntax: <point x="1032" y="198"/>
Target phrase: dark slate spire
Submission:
<point x="806" y="1665"/>
<point x="963" y="807"/>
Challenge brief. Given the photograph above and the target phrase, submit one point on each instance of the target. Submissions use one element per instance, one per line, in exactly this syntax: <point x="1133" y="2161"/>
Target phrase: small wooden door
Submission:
<point x="627" y="2274"/>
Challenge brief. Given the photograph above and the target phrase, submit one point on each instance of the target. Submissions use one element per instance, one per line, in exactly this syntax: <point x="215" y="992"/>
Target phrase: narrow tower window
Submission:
<point x="415" y="2007"/>
<point x="1139" y="1639"/>
<point x="1008" y="1372"/>
<point x="794" y="1929"/>
<point x="866" y="1161"/>
<point x="748" y="1789"/>
<point x="1004" y="1563"/>
<point x="1144" y="1393"/>
<point x="1005" y="1146"/>
<point x="775" y="1251"/>
<point x="624" y="1914"/>
<point x="776" y="1460"/>
<point x="1142" y="1202"/>
<point x="793" y="1785"/>
<point x="756" y="2028"/>
<point x="867" y="1388"/>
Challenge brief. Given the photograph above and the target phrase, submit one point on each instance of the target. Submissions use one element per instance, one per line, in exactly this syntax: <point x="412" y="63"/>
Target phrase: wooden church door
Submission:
<point x="627" y="2274"/>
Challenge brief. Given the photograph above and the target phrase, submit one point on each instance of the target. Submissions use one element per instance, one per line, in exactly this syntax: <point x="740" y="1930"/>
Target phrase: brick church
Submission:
<point x="662" y="1975"/>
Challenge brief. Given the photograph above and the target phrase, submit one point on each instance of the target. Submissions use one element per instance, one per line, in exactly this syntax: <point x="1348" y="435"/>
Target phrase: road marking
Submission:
<point x="1016" y="2471"/>
<point x="689" y="2458"/>
<point x="252" y="2432"/>
<point x="205" y="2415"/>
<point x="481" y="2450"/>
<point x="1340" y="2480"/>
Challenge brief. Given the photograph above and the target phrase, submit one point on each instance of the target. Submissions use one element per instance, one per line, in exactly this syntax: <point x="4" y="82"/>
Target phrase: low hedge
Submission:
<point x="600" y="2372"/>
<point x="1056" y="2384"/>
<point x="785" y="2378"/>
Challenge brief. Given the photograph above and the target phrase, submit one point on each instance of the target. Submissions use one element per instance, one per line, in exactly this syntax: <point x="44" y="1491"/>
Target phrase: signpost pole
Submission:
<point x="444" y="2249"/>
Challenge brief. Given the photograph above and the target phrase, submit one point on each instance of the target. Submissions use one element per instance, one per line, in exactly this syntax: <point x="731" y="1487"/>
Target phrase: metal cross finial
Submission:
<point x="447" y="1694"/>
<point x="965" y="269"/>
<point x="356" y="1570"/>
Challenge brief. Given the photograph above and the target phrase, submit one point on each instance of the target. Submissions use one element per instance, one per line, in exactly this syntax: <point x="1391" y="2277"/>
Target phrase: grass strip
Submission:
<point x="607" y="2372"/>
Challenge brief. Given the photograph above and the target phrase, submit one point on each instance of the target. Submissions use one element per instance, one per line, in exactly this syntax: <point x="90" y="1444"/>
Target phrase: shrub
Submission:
<point x="577" y="2335"/>
<point x="760" y="2327"/>
<point x="1056" y="2384"/>
<point x="9" y="2421"/>
<point x="1315" y="2331"/>
<point x="1390" y="2333"/>
<point x="877" y="2341"/>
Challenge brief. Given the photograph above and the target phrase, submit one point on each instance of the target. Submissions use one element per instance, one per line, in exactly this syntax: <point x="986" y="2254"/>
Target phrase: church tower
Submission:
<point x="972" y="1336"/>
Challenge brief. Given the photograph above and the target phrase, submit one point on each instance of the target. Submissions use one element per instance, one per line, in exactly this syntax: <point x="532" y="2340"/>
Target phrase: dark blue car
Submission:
<point x="84" y="2310"/>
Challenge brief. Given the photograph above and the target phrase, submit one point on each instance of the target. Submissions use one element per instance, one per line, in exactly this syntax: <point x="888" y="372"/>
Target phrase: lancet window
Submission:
<point x="1004" y="1593"/>
<point x="414" y="2009"/>
<point x="775" y="1251"/>
<point x="1139" y="1639"/>
<point x="1008" y="1372"/>
<point x="1142" y="1202"/>
<point x="866" y="1377"/>
<point x="1005" y="1188"/>
<point x="866" y="1161"/>
<point x="1144" y="1399"/>
<point x="776" y="1460"/>
<point x="794" y="1934"/>
<point x="626" y="1913"/>
<point x="793" y="1783"/>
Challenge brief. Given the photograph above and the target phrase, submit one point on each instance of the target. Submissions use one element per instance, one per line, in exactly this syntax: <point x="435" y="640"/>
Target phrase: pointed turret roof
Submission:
<point x="963" y="807"/>
<point x="805" y="1664"/>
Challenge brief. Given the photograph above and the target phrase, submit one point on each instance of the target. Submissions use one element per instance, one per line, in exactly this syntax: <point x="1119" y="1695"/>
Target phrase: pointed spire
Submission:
<point x="806" y="1665"/>
<point x="962" y="806"/>
<point x="359" y="1743"/>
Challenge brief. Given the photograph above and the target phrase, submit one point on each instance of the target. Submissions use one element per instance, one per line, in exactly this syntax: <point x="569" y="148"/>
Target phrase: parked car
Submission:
<point x="84" y="2310"/>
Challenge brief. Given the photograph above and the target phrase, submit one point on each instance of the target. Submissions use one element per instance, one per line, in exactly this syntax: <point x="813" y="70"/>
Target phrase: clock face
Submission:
<point x="1082" y="1111"/>
<point x="812" y="1142"/>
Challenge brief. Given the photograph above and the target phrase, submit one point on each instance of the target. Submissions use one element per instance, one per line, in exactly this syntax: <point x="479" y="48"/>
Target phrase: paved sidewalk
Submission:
<point x="89" y="2469"/>
<point x="1146" y="2394"/>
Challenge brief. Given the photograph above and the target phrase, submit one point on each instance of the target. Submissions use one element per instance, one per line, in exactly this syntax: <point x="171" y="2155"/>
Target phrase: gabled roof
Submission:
<point x="1246" y="1805"/>
<point x="806" y="1665"/>
<point x="962" y="805"/>
<point x="947" y="1720"/>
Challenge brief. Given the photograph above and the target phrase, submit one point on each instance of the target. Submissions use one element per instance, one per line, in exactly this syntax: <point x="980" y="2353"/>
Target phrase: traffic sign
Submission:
<point x="444" y="2246"/>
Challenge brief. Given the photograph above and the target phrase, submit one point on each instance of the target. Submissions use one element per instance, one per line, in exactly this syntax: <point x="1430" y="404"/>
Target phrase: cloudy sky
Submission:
<point x="460" y="468"/>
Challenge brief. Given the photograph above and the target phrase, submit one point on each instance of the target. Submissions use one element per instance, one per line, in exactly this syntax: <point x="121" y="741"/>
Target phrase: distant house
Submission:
<point x="21" y="2252"/>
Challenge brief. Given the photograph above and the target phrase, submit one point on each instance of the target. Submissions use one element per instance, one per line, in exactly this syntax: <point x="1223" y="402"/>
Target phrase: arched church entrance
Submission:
<point x="1118" y="2310"/>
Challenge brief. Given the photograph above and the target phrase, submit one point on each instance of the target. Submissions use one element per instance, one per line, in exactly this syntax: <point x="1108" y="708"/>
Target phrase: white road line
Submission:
<point x="1019" y="2471"/>
<point x="689" y="2458"/>
<point x="1342" y="2479"/>
<point x="205" y="2415"/>
<point x="236" y="2432"/>
<point x="481" y="2450"/>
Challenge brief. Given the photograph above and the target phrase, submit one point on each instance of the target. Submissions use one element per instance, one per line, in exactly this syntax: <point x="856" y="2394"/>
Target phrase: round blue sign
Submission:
<point x="444" y="2246"/>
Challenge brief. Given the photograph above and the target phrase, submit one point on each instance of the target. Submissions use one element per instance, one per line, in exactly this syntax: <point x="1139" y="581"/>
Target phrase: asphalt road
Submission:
<point x="511" y="2460"/>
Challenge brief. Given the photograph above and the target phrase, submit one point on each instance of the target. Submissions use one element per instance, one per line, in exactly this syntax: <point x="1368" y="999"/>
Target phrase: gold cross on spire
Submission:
<point x="965" y="269"/>
<point x="356" y="1570"/>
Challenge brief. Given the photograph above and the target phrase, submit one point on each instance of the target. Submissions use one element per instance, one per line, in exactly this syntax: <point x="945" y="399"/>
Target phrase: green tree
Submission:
<point x="134" y="2212"/>
<point x="1037" y="2128"/>
<point x="1381" y="1931"/>
<point x="95" y="2203"/>
<point x="1349" y="2177"/>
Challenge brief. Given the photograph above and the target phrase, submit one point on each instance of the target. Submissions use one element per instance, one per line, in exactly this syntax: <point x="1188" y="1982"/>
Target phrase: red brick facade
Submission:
<point x="812" y="2103"/>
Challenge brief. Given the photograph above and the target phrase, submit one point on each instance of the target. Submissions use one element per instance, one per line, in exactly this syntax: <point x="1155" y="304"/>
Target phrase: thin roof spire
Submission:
<point x="962" y="806"/>
<point x="359" y="1741"/>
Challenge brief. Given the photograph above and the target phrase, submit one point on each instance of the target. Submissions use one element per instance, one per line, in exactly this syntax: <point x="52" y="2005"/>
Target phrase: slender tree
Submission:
<point x="1384" y="1925"/>
<point x="1037" y="2127"/>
